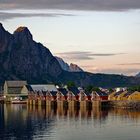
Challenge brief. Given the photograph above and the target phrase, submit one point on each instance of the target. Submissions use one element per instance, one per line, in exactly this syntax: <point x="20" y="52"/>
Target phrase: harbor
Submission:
<point x="54" y="96"/>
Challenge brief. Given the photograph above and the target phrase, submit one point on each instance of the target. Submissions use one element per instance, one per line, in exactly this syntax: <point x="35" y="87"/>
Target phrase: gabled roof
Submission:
<point x="128" y="93"/>
<point x="16" y="83"/>
<point x="87" y="93"/>
<point x="44" y="88"/>
<point x="111" y="92"/>
<point x="63" y="91"/>
<point x="53" y="93"/>
<point x="118" y="93"/>
<point x="101" y="93"/>
<point x="74" y="90"/>
<point x="29" y="88"/>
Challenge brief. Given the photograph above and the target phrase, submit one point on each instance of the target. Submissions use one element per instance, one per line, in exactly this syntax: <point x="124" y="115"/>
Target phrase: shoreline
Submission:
<point x="125" y="104"/>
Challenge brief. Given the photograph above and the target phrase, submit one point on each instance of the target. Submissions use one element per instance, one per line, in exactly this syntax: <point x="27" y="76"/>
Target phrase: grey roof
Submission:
<point x="44" y="87"/>
<point x="53" y="93"/>
<point x="128" y="93"/>
<point x="101" y="93"/>
<point x="16" y="83"/>
<point x="74" y="90"/>
<point x="87" y="93"/>
<point x="63" y="91"/>
<point x="110" y="92"/>
<point x="118" y="93"/>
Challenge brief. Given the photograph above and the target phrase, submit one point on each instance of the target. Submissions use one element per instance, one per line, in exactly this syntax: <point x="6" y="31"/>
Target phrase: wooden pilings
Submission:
<point x="35" y="102"/>
<point x="62" y="104"/>
<point x="87" y="104"/>
<point x="41" y="102"/>
<point x="73" y="103"/>
<point x="96" y="104"/>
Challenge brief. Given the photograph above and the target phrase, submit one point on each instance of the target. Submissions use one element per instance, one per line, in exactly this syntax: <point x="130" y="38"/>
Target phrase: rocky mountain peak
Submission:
<point x="74" y="67"/>
<point x="23" y="34"/>
<point x="138" y="74"/>
<point x="22" y="29"/>
<point x="65" y="66"/>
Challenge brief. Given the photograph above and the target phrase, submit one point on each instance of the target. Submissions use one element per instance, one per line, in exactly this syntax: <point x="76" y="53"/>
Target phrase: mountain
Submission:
<point x="138" y="75"/>
<point x="65" y="66"/>
<point x="75" y="68"/>
<point x="21" y="58"/>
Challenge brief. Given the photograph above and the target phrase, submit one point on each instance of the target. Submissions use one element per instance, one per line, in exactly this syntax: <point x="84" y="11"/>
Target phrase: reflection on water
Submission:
<point x="23" y="122"/>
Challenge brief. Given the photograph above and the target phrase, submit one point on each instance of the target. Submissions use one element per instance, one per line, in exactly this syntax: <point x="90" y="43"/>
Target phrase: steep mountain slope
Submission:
<point x="75" y="68"/>
<point x="23" y="58"/>
<point x="138" y="75"/>
<point x="65" y="66"/>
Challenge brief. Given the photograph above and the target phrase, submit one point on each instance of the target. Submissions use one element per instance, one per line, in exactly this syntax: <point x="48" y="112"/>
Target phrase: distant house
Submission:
<point x="12" y="89"/>
<point x="73" y="93"/>
<point x="99" y="95"/>
<point x="135" y="96"/>
<point x="62" y="94"/>
<point x="120" y="89"/>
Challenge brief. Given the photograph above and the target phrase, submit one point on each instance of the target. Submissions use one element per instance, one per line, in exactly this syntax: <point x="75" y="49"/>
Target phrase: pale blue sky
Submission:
<point x="109" y="40"/>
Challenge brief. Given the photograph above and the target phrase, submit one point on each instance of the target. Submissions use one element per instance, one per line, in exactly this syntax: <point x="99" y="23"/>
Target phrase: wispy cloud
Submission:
<point x="7" y="15"/>
<point x="79" y="55"/>
<point x="129" y="64"/>
<point x="76" y="55"/>
<point x="99" y="5"/>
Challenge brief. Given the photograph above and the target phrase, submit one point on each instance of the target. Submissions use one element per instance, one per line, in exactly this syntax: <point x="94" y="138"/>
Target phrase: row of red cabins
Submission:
<point x="66" y="94"/>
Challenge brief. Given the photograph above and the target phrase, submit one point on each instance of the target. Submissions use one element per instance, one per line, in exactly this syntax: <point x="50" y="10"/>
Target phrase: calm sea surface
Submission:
<point x="19" y="122"/>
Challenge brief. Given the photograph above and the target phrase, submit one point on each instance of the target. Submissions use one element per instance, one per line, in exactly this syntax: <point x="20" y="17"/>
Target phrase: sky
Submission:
<point x="101" y="36"/>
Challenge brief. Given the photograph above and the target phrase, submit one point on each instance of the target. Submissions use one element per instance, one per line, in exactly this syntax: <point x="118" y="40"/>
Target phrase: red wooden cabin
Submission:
<point x="99" y="95"/>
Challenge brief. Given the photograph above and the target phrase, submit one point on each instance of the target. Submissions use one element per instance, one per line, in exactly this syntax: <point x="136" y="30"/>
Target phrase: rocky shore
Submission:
<point x="125" y="104"/>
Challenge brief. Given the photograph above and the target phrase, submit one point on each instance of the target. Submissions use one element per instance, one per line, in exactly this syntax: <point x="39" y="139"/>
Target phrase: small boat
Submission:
<point x="18" y="100"/>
